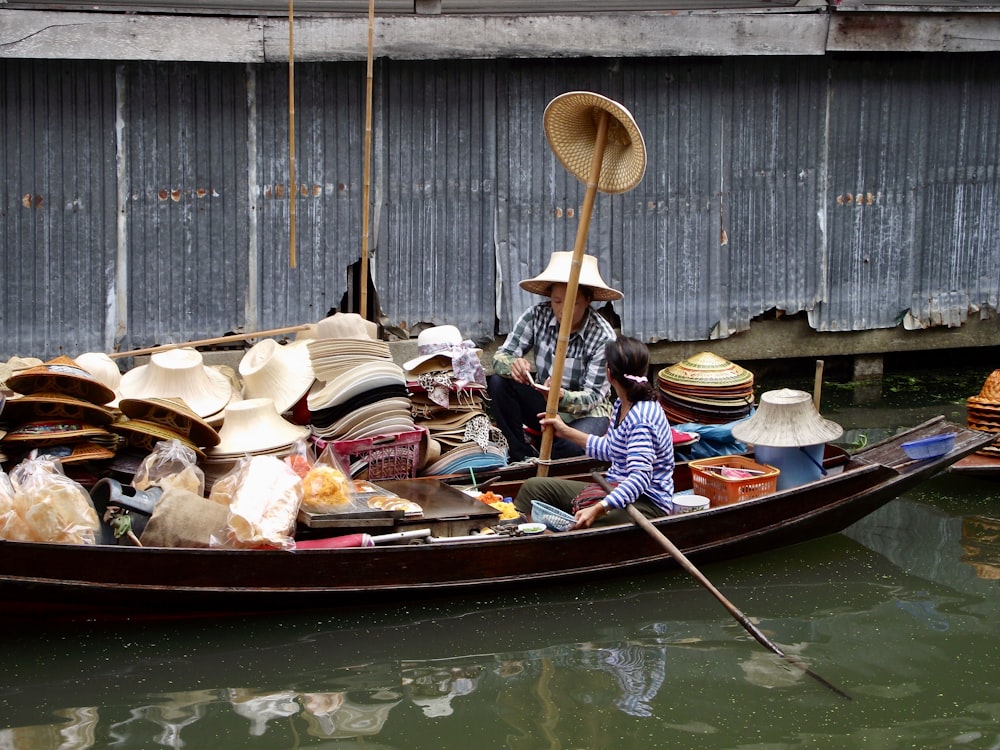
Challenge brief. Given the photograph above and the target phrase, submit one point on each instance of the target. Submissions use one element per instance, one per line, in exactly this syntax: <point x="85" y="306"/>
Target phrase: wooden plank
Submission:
<point x="882" y="31"/>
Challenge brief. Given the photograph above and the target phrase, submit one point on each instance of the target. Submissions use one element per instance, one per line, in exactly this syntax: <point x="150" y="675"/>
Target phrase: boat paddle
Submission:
<point x="644" y="523"/>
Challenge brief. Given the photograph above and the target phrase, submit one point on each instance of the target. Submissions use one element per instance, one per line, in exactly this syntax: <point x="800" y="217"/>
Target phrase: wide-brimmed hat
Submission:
<point x="37" y="406"/>
<point x="280" y="372"/>
<point x="61" y="375"/>
<point x="103" y="368"/>
<point x="786" y="418"/>
<point x="54" y="432"/>
<point x="144" y="435"/>
<point x="366" y="376"/>
<point x="346" y="326"/>
<point x="180" y="373"/>
<point x="439" y="341"/>
<point x="253" y="426"/>
<point x="571" y="122"/>
<point x="173" y="414"/>
<point x="558" y="270"/>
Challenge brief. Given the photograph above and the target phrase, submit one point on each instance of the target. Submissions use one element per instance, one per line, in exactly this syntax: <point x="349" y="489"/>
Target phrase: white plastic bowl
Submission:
<point x="690" y="503"/>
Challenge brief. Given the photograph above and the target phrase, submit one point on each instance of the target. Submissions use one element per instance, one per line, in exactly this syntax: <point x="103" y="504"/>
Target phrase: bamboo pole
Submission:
<point x="818" y="383"/>
<point x="365" y="207"/>
<point x="210" y="342"/>
<point x="292" y="189"/>
<point x="566" y="322"/>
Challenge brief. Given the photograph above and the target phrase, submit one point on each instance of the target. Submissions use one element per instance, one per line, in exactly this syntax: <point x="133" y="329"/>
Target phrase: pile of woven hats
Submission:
<point x="706" y="389"/>
<point x="57" y="409"/>
<point x="447" y="385"/>
<point x="359" y="391"/>
<point x="983" y="412"/>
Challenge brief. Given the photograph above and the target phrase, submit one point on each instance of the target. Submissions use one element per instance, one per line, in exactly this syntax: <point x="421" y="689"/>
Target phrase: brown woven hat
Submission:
<point x="991" y="388"/>
<point x="571" y="122"/>
<point x="558" y="270"/>
<point x="61" y="375"/>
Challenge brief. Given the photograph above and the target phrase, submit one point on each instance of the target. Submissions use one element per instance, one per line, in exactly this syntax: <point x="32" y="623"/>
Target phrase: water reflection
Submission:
<point x="898" y="612"/>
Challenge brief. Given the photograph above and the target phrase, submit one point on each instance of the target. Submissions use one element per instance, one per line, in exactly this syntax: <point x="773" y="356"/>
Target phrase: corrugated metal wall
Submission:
<point x="855" y="188"/>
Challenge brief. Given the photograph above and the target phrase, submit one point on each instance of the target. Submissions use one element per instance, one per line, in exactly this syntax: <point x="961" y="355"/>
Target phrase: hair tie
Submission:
<point x="635" y="378"/>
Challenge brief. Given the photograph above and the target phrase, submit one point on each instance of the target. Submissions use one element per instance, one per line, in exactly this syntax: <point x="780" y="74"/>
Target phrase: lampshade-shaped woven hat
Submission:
<point x="180" y="373"/>
<point x="254" y="426"/>
<point x="280" y="372"/>
<point x="786" y="418"/>
<point x="571" y="122"/>
<point x="558" y="271"/>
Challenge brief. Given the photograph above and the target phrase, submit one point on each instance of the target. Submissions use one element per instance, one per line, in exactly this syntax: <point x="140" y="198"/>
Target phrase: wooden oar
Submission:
<point x="647" y="526"/>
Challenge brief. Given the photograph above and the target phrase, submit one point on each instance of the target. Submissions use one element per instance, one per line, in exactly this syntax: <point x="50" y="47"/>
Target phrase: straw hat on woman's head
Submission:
<point x="558" y="271"/>
<point x="786" y="418"/>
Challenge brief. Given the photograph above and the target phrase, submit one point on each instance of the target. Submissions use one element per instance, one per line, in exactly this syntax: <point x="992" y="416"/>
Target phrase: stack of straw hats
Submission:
<point x="60" y="410"/>
<point x="147" y="421"/>
<point x="446" y="383"/>
<point x="706" y="389"/>
<point x="359" y="392"/>
<point x="983" y="412"/>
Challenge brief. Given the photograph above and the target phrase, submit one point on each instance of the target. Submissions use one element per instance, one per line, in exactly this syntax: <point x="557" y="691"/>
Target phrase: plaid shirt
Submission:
<point x="584" y="377"/>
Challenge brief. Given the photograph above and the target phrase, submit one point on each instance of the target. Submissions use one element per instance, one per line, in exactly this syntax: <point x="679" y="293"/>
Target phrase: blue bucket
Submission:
<point x="798" y="464"/>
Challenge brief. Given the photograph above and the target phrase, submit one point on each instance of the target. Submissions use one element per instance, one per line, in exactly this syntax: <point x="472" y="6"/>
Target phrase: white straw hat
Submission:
<point x="346" y="326"/>
<point x="786" y="418"/>
<point x="254" y="426"/>
<point x="104" y="369"/>
<point x="558" y="271"/>
<point x="280" y="372"/>
<point x="179" y="373"/>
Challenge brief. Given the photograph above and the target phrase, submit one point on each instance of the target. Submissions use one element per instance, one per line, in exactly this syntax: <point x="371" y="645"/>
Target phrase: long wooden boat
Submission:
<point x="143" y="580"/>
<point x="978" y="465"/>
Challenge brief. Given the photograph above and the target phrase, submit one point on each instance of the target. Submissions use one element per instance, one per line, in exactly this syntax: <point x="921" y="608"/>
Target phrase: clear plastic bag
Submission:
<point x="327" y="486"/>
<point x="264" y="495"/>
<point x="12" y="510"/>
<point x="171" y="465"/>
<point x="56" y="508"/>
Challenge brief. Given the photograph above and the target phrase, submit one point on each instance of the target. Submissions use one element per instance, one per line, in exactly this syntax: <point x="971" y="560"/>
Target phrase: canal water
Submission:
<point x="901" y="612"/>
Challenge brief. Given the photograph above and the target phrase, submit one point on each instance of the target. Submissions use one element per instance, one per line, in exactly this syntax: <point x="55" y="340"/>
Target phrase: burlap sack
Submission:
<point x="184" y="519"/>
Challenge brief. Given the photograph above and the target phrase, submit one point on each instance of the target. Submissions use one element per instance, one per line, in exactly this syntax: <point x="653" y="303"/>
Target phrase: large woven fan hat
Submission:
<point x="558" y="270"/>
<point x="786" y="418"/>
<point x="571" y="122"/>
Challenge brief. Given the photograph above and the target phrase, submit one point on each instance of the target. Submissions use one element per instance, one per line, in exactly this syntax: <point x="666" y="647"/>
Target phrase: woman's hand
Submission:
<point x="520" y="371"/>
<point x="558" y="426"/>
<point x="586" y="517"/>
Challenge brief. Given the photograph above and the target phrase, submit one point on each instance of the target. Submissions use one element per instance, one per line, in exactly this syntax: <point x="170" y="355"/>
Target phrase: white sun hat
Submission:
<point x="179" y="373"/>
<point x="254" y="426"/>
<point x="280" y="372"/>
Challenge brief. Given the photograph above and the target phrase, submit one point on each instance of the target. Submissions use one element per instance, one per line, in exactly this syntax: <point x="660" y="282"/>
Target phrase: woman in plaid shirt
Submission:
<point x="638" y="445"/>
<point x="516" y="394"/>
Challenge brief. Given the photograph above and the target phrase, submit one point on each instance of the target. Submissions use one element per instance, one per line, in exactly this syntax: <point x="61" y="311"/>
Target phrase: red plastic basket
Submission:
<point x="724" y="491"/>
<point x="382" y="457"/>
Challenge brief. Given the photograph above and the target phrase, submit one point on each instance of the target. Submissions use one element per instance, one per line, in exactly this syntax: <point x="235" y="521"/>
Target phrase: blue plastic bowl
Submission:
<point x="932" y="447"/>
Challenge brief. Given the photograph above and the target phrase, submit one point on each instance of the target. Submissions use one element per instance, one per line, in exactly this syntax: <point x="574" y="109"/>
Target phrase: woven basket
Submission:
<point x="553" y="518"/>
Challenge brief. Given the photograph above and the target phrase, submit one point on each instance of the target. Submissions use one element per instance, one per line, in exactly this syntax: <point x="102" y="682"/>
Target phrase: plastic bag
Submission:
<point x="302" y="458"/>
<point x="171" y="465"/>
<point x="264" y="495"/>
<point x="327" y="486"/>
<point x="56" y="508"/>
<point x="12" y="510"/>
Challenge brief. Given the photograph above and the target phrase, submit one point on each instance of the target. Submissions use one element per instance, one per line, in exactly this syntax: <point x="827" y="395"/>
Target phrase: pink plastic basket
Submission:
<point x="382" y="457"/>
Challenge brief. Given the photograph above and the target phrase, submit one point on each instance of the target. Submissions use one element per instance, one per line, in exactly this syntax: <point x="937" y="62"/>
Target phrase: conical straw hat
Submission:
<point x="786" y="418"/>
<point x="991" y="388"/>
<point x="571" y="121"/>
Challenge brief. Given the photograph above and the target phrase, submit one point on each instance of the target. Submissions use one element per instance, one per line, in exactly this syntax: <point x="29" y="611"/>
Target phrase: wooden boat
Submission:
<point x="978" y="465"/>
<point x="117" y="578"/>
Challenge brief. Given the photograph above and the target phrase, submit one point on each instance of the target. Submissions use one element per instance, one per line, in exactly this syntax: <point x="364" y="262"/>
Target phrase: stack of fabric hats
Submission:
<point x="359" y="392"/>
<point x="706" y="389"/>
<point x="983" y="412"/>
<point x="447" y="385"/>
<point x="182" y="373"/>
<point x="57" y="409"/>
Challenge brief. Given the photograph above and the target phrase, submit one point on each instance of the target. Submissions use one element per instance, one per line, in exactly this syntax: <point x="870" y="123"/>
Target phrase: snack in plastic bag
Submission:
<point x="265" y="495"/>
<point x="325" y="488"/>
<point x="301" y="459"/>
<point x="171" y="464"/>
<point x="58" y="509"/>
<point x="12" y="510"/>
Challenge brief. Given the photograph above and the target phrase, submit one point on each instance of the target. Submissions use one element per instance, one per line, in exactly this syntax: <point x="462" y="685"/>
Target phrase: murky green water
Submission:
<point x="902" y="612"/>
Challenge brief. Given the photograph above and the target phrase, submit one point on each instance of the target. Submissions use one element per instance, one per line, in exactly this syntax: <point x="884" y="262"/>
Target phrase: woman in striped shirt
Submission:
<point x="638" y="445"/>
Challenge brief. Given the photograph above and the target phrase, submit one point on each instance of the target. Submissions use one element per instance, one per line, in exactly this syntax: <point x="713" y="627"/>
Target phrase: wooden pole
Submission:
<point x="210" y="342"/>
<point x="365" y="208"/>
<point x="818" y="383"/>
<point x="292" y="188"/>
<point x="646" y="525"/>
<point x="566" y="322"/>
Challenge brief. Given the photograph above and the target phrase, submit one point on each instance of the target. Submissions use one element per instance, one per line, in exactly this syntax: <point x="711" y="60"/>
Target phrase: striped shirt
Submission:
<point x="584" y="377"/>
<point x="641" y="453"/>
